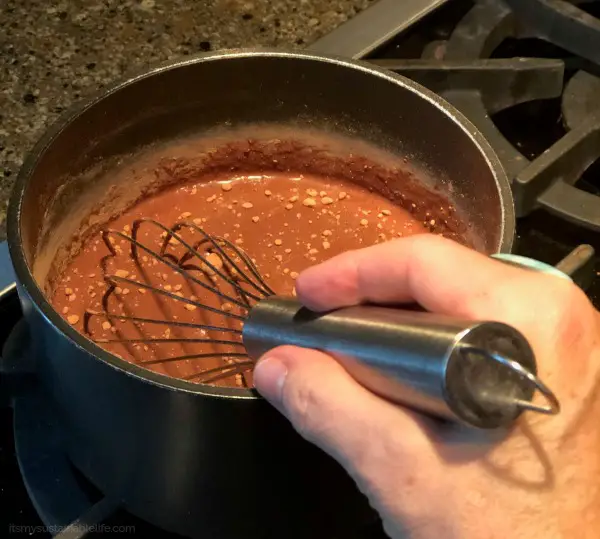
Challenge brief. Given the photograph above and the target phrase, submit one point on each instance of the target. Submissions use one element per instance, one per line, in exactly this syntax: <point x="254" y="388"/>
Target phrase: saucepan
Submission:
<point x="205" y="461"/>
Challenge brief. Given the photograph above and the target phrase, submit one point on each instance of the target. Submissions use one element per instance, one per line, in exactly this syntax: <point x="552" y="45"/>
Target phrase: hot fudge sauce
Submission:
<point x="285" y="221"/>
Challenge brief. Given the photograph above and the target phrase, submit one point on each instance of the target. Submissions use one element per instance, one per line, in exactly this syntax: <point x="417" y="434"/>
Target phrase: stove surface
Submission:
<point x="535" y="101"/>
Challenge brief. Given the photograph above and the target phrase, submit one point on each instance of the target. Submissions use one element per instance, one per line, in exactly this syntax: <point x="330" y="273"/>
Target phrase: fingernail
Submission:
<point x="269" y="377"/>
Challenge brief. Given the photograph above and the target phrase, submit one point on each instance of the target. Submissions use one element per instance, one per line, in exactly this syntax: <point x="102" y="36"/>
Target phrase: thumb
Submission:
<point x="368" y="436"/>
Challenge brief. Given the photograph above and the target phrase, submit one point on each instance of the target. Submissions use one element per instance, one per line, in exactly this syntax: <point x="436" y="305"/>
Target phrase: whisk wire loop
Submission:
<point x="135" y="244"/>
<point x="264" y="288"/>
<point x="551" y="408"/>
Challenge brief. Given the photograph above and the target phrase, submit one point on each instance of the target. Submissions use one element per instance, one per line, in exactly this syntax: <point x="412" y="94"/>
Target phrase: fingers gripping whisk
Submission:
<point x="197" y="320"/>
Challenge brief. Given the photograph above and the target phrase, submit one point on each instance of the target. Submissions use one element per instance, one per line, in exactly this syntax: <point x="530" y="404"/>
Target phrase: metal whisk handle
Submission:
<point x="479" y="373"/>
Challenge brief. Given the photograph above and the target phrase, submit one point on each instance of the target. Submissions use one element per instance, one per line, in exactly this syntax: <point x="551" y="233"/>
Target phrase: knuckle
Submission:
<point x="555" y="299"/>
<point x="426" y="246"/>
<point x="553" y="312"/>
<point x="429" y="250"/>
<point x="530" y="296"/>
<point x="573" y="315"/>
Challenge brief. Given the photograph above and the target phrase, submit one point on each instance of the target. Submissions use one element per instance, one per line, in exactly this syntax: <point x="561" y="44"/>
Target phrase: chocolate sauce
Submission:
<point x="284" y="220"/>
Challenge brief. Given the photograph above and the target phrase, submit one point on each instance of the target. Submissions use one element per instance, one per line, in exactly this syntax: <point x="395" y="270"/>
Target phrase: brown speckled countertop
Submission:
<point x="54" y="53"/>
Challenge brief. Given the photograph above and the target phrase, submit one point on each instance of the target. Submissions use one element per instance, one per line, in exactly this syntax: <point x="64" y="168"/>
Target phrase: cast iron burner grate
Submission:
<point x="528" y="77"/>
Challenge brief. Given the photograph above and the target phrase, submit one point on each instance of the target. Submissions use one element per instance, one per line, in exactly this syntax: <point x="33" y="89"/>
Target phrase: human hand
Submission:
<point x="427" y="479"/>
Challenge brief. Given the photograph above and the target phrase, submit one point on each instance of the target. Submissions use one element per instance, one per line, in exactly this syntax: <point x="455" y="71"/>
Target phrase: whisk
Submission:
<point x="479" y="373"/>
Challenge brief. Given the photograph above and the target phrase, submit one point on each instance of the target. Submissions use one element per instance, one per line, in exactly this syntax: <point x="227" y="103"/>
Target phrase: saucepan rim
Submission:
<point x="28" y="283"/>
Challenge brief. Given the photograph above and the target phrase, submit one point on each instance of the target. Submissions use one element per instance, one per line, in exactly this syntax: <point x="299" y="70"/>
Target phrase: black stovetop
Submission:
<point x="532" y="127"/>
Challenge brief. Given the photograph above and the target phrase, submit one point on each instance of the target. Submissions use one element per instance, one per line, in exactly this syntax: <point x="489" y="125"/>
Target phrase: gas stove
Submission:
<point x="525" y="72"/>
